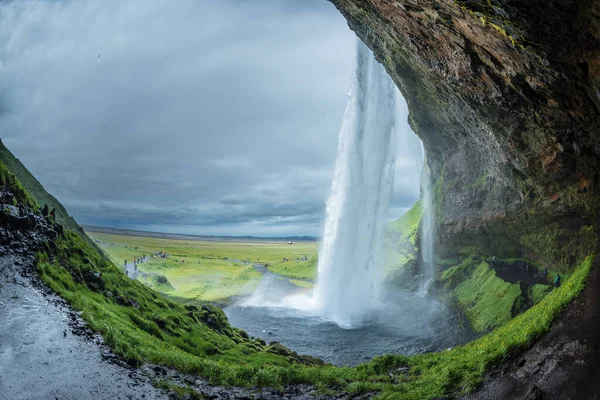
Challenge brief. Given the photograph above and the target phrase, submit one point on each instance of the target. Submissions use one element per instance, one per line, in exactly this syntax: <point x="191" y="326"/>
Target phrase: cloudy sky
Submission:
<point x="205" y="117"/>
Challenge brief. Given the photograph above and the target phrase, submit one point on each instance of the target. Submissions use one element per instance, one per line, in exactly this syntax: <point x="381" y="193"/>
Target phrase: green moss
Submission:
<point x="456" y="274"/>
<point x="487" y="300"/>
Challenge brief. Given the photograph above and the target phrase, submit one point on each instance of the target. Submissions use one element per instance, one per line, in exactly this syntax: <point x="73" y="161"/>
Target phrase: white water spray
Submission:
<point x="427" y="234"/>
<point x="350" y="272"/>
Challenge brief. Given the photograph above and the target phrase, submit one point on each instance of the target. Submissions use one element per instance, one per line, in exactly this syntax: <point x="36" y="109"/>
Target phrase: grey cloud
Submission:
<point x="208" y="117"/>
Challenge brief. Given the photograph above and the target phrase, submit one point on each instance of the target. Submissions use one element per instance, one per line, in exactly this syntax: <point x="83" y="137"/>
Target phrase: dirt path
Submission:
<point x="564" y="364"/>
<point x="47" y="353"/>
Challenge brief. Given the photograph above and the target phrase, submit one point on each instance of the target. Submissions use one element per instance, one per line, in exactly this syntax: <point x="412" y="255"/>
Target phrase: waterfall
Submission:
<point x="349" y="267"/>
<point x="427" y="234"/>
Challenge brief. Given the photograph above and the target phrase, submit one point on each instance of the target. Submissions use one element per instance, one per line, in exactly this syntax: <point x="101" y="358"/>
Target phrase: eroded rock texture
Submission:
<point x="505" y="95"/>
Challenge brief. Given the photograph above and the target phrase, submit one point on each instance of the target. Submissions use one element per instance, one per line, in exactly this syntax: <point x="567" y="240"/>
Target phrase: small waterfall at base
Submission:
<point x="427" y="234"/>
<point x="349" y="267"/>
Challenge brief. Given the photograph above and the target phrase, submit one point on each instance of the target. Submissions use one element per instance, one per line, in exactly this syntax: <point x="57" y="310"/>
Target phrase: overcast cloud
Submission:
<point x="192" y="116"/>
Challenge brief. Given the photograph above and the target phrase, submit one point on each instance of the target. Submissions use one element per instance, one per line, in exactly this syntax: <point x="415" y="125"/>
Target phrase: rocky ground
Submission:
<point x="564" y="364"/>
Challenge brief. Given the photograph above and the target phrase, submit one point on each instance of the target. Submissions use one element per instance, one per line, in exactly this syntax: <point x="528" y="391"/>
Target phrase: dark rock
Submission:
<point x="534" y="393"/>
<point x="212" y="323"/>
<point x="133" y="303"/>
<point x="120" y="300"/>
<point x="93" y="280"/>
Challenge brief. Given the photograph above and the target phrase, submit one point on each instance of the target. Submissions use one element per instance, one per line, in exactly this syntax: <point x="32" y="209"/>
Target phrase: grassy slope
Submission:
<point x="141" y="325"/>
<point x="407" y="226"/>
<point x="37" y="191"/>
<point x="20" y="194"/>
<point x="487" y="300"/>
<point x="191" y="346"/>
<point x="157" y="330"/>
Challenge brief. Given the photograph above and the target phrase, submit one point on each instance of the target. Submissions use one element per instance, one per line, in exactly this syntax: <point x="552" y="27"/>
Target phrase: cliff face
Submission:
<point x="505" y="95"/>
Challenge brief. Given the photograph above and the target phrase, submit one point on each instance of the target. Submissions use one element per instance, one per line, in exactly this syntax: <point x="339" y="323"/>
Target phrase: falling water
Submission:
<point x="427" y="234"/>
<point x="349" y="261"/>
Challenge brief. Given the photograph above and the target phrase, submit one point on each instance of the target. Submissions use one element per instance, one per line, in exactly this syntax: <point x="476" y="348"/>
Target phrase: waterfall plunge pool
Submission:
<point x="404" y="323"/>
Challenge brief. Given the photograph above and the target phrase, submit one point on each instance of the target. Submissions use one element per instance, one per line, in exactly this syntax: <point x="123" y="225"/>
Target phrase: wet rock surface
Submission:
<point x="46" y="349"/>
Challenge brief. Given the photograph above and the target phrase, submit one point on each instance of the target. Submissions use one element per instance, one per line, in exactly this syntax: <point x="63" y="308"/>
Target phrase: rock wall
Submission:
<point x="505" y="95"/>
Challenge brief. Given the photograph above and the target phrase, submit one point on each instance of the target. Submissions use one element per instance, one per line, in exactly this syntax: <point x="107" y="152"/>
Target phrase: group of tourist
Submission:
<point x="301" y="258"/>
<point x="144" y="258"/>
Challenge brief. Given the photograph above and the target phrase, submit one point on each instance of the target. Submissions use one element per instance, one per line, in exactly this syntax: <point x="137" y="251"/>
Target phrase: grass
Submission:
<point x="206" y="273"/>
<point x="143" y="326"/>
<point x="210" y="280"/>
<point x="137" y="322"/>
<point x="163" y="332"/>
<point x="12" y="184"/>
<point x="537" y="293"/>
<point x="487" y="300"/>
<point x="37" y="192"/>
<point x="399" y="247"/>
<point x="407" y="226"/>
<point x="121" y="247"/>
<point x="296" y="268"/>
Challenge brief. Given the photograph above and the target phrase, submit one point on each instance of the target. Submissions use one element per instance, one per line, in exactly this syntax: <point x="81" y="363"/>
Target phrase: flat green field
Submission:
<point x="211" y="270"/>
<point x="218" y="270"/>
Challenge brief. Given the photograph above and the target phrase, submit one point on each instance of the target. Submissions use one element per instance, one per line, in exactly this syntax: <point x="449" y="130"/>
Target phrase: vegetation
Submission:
<point x="37" y="192"/>
<point x="400" y="248"/>
<point x="143" y="326"/>
<point x="407" y="226"/>
<point x="160" y="331"/>
<point x="208" y="271"/>
<point x="296" y="268"/>
<point x="137" y="322"/>
<point x="487" y="300"/>
<point x="303" y="284"/>
<point x="14" y="186"/>
<point x="121" y="247"/>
